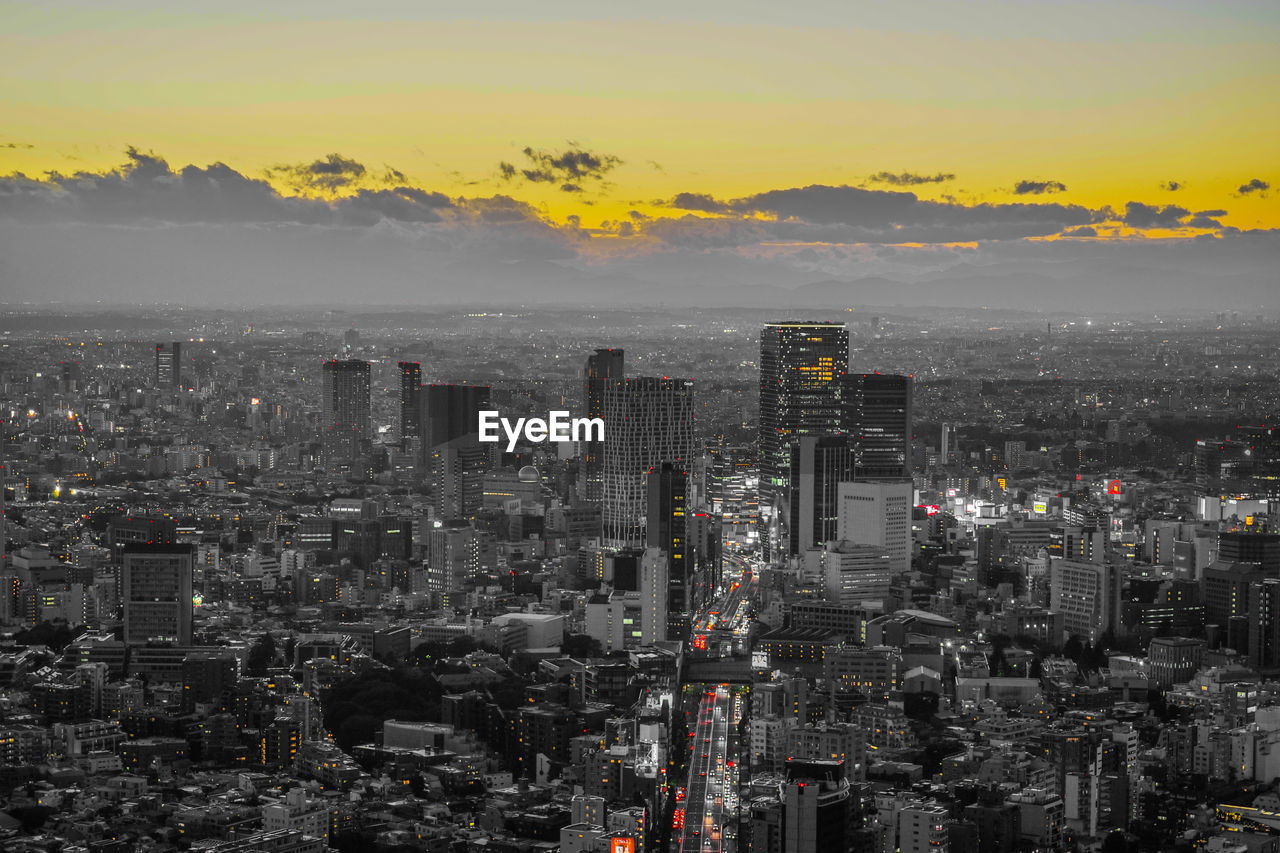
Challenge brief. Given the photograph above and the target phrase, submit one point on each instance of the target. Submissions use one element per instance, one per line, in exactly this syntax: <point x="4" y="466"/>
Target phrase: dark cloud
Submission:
<point x="1139" y="215"/>
<point x="146" y="189"/>
<point x="327" y="175"/>
<point x="702" y="202"/>
<point x="1172" y="186"/>
<point x="394" y="177"/>
<point x="1257" y="185"/>
<point x="1082" y="231"/>
<point x="910" y="179"/>
<point x="16" y="145"/>
<point x="1205" y="219"/>
<point x="569" y="168"/>
<point x="1038" y="187"/>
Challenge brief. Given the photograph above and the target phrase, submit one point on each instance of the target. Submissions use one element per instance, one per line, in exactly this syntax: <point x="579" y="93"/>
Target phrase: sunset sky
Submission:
<point x="753" y="129"/>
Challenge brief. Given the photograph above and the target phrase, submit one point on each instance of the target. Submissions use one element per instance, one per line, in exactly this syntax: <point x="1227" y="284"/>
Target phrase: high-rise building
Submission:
<point x="453" y="555"/>
<point x="879" y="514"/>
<point x="455" y="460"/>
<point x="648" y="421"/>
<point x="949" y="450"/>
<point x="817" y="806"/>
<point x="818" y="467"/>
<point x="653" y="596"/>
<point x="169" y="365"/>
<point x="1260" y="548"/>
<point x="667" y="528"/>
<point x="1088" y="595"/>
<point x="410" y="399"/>
<point x="452" y="411"/>
<point x="156" y="593"/>
<point x="877" y="420"/>
<point x="603" y="368"/>
<point x="345" y="429"/>
<point x="854" y="574"/>
<point x="801" y="368"/>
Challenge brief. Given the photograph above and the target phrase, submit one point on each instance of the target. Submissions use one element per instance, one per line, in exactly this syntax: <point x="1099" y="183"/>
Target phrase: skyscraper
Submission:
<point x="345" y="428"/>
<point x="667" y="528"/>
<point x="455" y="460"/>
<point x="948" y="451"/>
<point x="879" y="514"/>
<point x="156" y="593"/>
<point x="653" y="596"/>
<point x="818" y="466"/>
<point x="801" y="368"/>
<point x="603" y="368"/>
<point x="410" y="399"/>
<point x="451" y="411"/>
<point x="648" y="421"/>
<point x="169" y="365"/>
<point x="877" y="419"/>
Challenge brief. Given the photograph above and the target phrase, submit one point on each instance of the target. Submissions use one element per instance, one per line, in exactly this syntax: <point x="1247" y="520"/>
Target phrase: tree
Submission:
<point x="261" y="655"/>
<point x="581" y="646"/>
<point x="1073" y="648"/>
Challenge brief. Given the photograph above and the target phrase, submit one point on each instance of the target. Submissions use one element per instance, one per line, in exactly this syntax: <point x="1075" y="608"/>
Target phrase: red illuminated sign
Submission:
<point x="1114" y="487"/>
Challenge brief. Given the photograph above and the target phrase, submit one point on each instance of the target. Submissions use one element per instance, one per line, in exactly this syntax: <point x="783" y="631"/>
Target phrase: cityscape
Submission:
<point x="678" y="427"/>
<point x="868" y="582"/>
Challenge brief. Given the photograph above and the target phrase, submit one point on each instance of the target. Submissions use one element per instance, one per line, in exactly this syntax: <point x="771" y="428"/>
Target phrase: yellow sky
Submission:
<point x="1112" y="100"/>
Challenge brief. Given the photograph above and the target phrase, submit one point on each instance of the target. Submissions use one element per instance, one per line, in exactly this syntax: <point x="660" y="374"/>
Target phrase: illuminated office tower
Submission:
<point x="648" y="421"/>
<point x="169" y="365"/>
<point x="410" y="399"/>
<point x="156" y="593"/>
<point x="801" y="368"/>
<point x="603" y="367"/>
<point x="345" y="429"/>
<point x="667" y="528"/>
<point x="877" y="420"/>
<point x="879" y="514"/>
<point x="818" y="466"/>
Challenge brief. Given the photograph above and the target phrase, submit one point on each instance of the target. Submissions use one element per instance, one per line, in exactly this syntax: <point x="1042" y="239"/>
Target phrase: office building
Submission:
<point x="451" y="411"/>
<point x="879" y="514"/>
<point x="345" y="429"/>
<point x="603" y="368"/>
<point x="667" y="529"/>
<point x="410" y="400"/>
<point x="648" y="421"/>
<point x="156" y="595"/>
<point x="801" y="368"/>
<point x="653" y="596"/>
<point x="877" y="420"/>
<point x="853" y="574"/>
<point x="818" y="467"/>
<point x="169" y="365"/>
<point x="1088" y="595"/>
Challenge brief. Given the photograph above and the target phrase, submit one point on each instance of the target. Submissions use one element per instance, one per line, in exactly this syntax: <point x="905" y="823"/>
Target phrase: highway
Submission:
<point x="711" y="796"/>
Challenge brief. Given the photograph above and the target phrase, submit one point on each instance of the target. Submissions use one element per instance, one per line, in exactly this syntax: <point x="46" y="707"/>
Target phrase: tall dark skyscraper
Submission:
<point x="818" y="466"/>
<point x="667" y="528"/>
<point x="877" y="420"/>
<point x="454" y="458"/>
<point x="603" y="368"/>
<point x="410" y="399"/>
<point x="169" y="365"/>
<point x="801" y="368"/>
<point x="648" y="421"/>
<point x="345" y="428"/>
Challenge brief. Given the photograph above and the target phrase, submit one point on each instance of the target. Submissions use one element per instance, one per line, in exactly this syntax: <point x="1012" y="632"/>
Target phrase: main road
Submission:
<point x="711" y="797"/>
